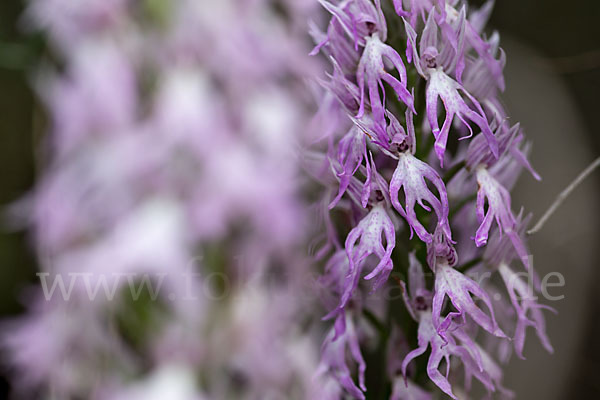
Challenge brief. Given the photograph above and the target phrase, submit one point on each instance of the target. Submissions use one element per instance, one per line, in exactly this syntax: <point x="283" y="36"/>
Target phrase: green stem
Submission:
<point x="377" y="324"/>
<point x="461" y="204"/>
<point x="453" y="171"/>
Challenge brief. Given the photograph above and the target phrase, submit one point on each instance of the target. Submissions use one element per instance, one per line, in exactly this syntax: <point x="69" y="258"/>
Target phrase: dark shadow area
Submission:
<point x="16" y="160"/>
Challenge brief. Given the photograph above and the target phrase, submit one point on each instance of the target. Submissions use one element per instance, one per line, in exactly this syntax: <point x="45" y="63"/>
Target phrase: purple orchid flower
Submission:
<point x="410" y="174"/>
<point x="333" y="281"/>
<point x="498" y="200"/>
<point x="440" y="349"/>
<point x="372" y="69"/>
<point x="490" y="374"/>
<point x="486" y="50"/>
<point x="351" y="152"/>
<point x="344" y="90"/>
<point x="341" y="339"/>
<point x="369" y="230"/>
<point x="509" y="145"/>
<point x="334" y="44"/>
<point x="459" y="288"/>
<point x="358" y="18"/>
<point x="527" y="308"/>
<point x="456" y="343"/>
<point x="432" y="64"/>
<point x="479" y="80"/>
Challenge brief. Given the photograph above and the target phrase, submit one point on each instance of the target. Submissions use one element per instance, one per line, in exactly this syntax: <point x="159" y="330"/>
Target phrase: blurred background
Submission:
<point x="553" y="81"/>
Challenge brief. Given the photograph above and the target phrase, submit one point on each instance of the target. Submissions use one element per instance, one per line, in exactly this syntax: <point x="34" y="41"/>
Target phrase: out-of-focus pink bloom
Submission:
<point x="172" y="160"/>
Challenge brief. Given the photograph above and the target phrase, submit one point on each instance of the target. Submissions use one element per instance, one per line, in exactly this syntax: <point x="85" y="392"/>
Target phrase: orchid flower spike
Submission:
<point x="410" y="175"/>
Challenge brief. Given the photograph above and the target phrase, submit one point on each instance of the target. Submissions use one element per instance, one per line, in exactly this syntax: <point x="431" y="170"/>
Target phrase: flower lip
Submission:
<point x="371" y="74"/>
<point x="410" y="175"/>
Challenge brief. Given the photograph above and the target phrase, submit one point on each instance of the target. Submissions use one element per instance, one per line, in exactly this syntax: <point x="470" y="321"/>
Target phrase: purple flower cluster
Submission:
<point x="172" y="212"/>
<point x="397" y="172"/>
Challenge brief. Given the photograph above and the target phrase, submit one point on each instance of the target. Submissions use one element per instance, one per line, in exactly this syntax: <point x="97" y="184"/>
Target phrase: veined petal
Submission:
<point x="369" y="231"/>
<point x="410" y="174"/>
<point x="371" y="69"/>
<point x="459" y="288"/>
<point x="498" y="201"/>
<point x="442" y="86"/>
